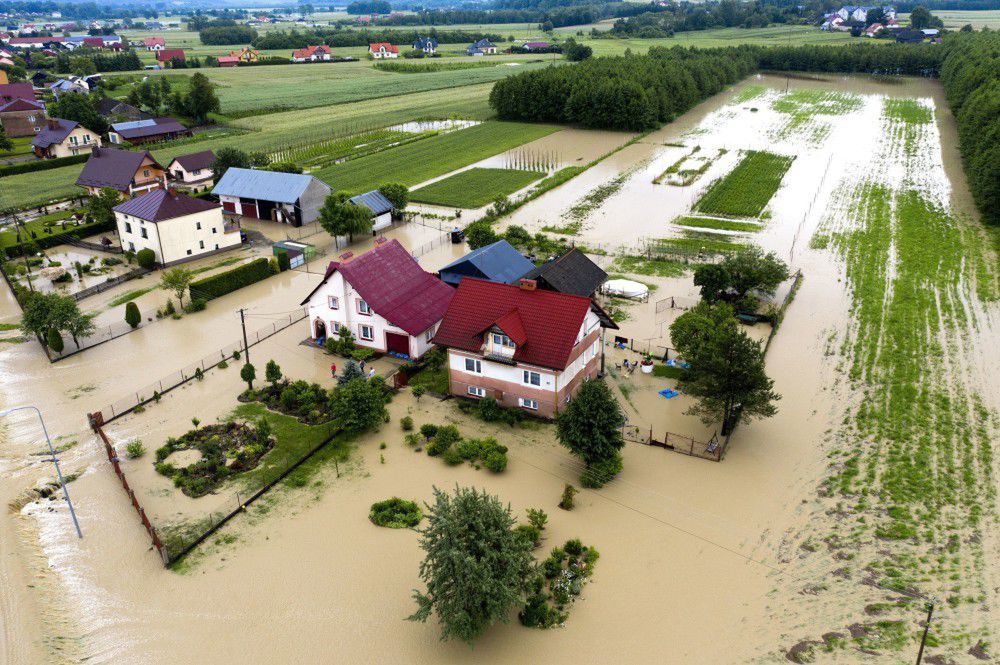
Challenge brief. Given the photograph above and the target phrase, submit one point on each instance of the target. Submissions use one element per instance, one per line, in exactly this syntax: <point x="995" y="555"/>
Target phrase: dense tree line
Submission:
<point x="916" y="59"/>
<point x="232" y="34"/>
<point x="687" y="17"/>
<point x="971" y="77"/>
<point x="279" y="39"/>
<point x="576" y="14"/>
<point x="369" y="7"/>
<point x="126" y="61"/>
<point x="79" y="10"/>
<point x="632" y="92"/>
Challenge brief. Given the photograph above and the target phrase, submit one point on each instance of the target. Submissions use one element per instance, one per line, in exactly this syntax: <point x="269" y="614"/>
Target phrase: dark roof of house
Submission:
<point x="161" y="204"/>
<point x="51" y="135"/>
<point x="140" y="129"/>
<point x="10" y="91"/>
<point x="572" y="273"/>
<point x="108" y="167"/>
<point x="19" y="104"/>
<point x="394" y="286"/>
<point x="424" y="42"/>
<point x="547" y="322"/>
<point x="498" y="262"/>
<point x="108" y="106"/>
<point x="374" y="201"/>
<point x="196" y="160"/>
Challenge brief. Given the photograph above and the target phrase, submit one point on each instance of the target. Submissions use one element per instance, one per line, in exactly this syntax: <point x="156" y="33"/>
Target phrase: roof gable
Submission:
<point x="550" y="320"/>
<point x="374" y="201"/>
<point x="395" y="287"/>
<point x="108" y="167"/>
<point x="572" y="273"/>
<point x="195" y="160"/>
<point x="54" y="131"/>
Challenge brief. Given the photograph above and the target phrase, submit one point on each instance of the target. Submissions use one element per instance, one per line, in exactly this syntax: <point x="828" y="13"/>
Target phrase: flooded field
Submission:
<point x="873" y="484"/>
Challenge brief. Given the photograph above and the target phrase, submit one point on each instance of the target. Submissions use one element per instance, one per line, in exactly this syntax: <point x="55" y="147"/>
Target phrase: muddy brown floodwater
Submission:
<point x="691" y="551"/>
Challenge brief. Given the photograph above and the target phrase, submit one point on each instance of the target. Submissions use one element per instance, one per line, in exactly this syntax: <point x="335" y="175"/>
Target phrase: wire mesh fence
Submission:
<point x="154" y="390"/>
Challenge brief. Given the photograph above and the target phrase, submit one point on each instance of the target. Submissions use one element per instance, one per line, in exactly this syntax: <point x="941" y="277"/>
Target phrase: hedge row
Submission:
<point x="47" y="241"/>
<point x="232" y="280"/>
<point x="42" y="164"/>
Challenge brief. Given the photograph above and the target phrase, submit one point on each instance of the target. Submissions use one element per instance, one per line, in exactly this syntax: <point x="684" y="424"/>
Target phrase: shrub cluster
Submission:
<point x="395" y="513"/>
<point x="447" y="442"/>
<point x="232" y="280"/>
<point x="489" y="410"/>
<point x="309" y="402"/>
<point x="561" y="580"/>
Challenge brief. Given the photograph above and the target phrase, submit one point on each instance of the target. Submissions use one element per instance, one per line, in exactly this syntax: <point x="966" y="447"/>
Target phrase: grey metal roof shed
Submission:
<point x="374" y="201"/>
<point x="498" y="262"/>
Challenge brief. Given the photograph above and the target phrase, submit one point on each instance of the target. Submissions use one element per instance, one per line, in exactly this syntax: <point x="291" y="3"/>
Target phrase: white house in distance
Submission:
<point x="523" y="346"/>
<point x="383" y="50"/>
<point x="289" y="198"/>
<point x="383" y="297"/>
<point x="176" y="227"/>
<point x="192" y="172"/>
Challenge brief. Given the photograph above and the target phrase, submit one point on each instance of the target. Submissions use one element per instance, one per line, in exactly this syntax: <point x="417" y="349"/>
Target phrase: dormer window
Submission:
<point x="502" y="340"/>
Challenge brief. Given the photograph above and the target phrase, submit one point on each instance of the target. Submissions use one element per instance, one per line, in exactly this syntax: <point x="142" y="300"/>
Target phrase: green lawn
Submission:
<point x="475" y="188"/>
<point x="22" y="146"/>
<point x="746" y="190"/>
<point x="422" y="160"/>
<point x="9" y="237"/>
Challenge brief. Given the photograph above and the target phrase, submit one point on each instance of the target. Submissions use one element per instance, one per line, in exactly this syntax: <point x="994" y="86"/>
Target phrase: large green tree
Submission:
<point x="359" y="404"/>
<point x="727" y="374"/>
<point x="397" y="193"/>
<point x="77" y="107"/>
<point x="201" y="98"/>
<point x="44" y="312"/>
<point x="340" y="217"/>
<point x="747" y="270"/>
<point x="475" y="564"/>
<point x="591" y="427"/>
<point x="177" y="280"/>
<point x="101" y="206"/>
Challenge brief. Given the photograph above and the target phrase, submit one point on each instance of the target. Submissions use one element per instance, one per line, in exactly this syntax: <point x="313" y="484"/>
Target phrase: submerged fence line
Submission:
<point x="156" y="389"/>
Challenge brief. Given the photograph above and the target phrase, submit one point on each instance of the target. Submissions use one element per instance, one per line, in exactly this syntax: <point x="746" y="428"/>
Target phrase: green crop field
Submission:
<point x="793" y="35"/>
<point x="273" y="132"/>
<point x="955" y="19"/>
<point x="475" y="188"/>
<point x="417" y="162"/>
<point x="746" y="190"/>
<point x="245" y="90"/>
<point x="718" y="224"/>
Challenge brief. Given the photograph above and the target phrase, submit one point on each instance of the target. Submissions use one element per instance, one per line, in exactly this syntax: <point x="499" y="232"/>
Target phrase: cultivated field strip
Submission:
<point x="910" y="497"/>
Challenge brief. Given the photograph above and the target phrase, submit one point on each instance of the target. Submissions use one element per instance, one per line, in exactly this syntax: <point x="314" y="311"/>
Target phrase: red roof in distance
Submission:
<point x="168" y="54"/>
<point x="388" y="47"/>
<point x="546" y="322"/>
<point x="394" y="286"/>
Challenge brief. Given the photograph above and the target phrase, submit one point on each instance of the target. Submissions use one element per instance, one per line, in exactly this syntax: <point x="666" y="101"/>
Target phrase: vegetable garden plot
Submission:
<point x="476" y="187"/>
<point x="748" y="188"/>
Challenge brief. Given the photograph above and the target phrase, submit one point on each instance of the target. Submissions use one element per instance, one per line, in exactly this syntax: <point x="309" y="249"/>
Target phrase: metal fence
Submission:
<point x="674" y="302"/>
<point x="100" y="336"/>
<point x="109" y="284"/>
<point x="427" y="247"/>
<point x="153" y="390"/>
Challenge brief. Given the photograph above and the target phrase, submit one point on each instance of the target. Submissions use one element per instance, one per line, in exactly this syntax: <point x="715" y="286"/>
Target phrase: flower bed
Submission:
<point x="309" y="402"/>
<point x="560" y="582"/>
<point x="226" y="450"/>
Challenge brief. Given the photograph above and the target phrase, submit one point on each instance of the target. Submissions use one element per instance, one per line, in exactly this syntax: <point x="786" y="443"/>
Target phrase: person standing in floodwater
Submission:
<point x="333" y="370"/>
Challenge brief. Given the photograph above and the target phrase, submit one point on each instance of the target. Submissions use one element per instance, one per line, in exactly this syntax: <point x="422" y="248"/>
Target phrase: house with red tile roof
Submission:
<point x="176" y="227"/>
<point x="383" y="298"/>
<point x="154" y="43"/>
<point x="167" y="55"/>
<point x="227" y="61"/>
<point x="311" y="53"/>
<point x="383" y="50"/>
<point x="525" y="347"/>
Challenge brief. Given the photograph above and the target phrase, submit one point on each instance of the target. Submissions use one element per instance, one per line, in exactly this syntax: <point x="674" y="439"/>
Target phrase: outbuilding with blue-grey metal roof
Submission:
<point x="498" y="262"/>
<point x="290" y="198"/>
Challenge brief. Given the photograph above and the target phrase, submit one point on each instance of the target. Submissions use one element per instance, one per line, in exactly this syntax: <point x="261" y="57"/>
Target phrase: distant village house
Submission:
<point x="22" y="117"/>
<point x="383" y="50"/>
<point x="192" y="172"/>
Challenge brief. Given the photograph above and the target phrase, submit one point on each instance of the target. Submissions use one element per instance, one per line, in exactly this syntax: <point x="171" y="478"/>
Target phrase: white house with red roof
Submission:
<point x="383" y="50"/>
<point x="525" y="347"/>
<point x="383" y="297"/>
<point x="154" y="43"/>
<point x="311" y="54"/>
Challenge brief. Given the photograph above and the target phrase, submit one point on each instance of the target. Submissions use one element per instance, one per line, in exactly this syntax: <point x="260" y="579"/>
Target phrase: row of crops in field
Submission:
<point x="746" y="190"/>
<point x="475" y="188"/>
<point x="317" y="154"/>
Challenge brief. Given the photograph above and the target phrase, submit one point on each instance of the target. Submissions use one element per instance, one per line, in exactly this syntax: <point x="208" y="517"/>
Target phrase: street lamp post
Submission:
<point x="55" y="460"/>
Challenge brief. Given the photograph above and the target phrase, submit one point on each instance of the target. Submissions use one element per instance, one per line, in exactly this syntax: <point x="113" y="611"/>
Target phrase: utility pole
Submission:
<point x="927" y="626"/>
<point x="243" y="324"/>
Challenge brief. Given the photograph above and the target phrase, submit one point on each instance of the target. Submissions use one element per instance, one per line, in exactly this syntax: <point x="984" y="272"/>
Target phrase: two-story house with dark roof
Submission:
<point x="130" y="173"/>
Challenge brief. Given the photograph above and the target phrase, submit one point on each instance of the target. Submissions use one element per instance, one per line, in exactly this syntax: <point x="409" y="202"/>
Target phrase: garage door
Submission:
<point x="396" y="343"/>
<point x="248" y="209"/>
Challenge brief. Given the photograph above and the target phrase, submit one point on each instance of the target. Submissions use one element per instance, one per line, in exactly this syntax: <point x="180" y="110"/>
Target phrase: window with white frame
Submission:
<point x="428" y="335"/>
<point x="366" y="332"/>
<point x="532" y="378"/>
<point x="473" y="365"/>
<point x="476" y="391"/>
<point x="528" y="403"/>
<point x="363" y="307"/>
<point x="502" y="340"/>
<point x="333" y="302"/>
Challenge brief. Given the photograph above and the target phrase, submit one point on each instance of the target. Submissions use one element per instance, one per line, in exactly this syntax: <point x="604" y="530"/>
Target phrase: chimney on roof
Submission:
<point x="53" y="123"/>
<point x="527" y="284"/>
<point x="381" y="240"/>
<point x="346" y="256"/>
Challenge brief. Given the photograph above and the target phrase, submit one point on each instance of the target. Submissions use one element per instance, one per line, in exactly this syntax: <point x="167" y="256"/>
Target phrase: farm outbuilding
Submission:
<point x="289" y="198"/>
<point x="298" y="252"/>
<point x="498" y="262"/>
<point x="379" y="206"/>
